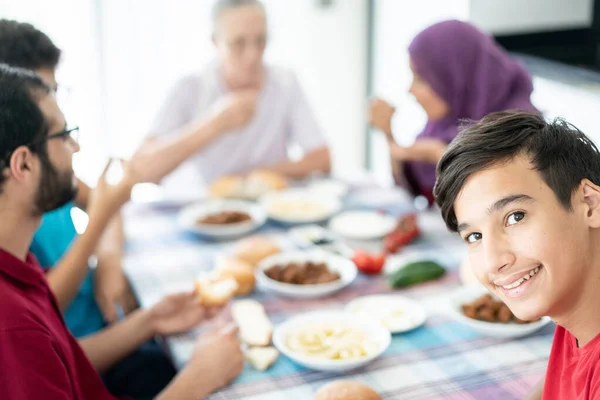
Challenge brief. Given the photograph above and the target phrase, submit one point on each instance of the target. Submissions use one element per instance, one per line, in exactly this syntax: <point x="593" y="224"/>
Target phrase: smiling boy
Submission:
<point x="523" y="194"/>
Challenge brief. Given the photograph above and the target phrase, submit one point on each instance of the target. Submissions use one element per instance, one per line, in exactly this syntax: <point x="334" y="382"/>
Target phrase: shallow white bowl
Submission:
<point x="362" y="225"/>
<point x="467" y="294"/>
<point x="189" y="215"/>
<point x="328" y="187"/>
<point x="377" y="307"/>
<point x="376" y="332"/>
<point x="323" y="207"/>
<point x="345" y="267"/>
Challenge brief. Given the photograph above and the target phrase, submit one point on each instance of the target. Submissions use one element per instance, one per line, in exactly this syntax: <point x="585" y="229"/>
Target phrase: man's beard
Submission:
<point x="55" y="188"/>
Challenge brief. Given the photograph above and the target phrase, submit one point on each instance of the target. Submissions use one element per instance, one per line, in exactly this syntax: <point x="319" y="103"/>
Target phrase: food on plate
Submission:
<point x="394" y="315"/>
<point x="262" y="358"/>
<point x="254" y="249"/>
<point x="254" y="325"/>
<point x="224" y="218"/>
<point x="251" y="186"/>
<point x="406" y="231"/>
<point x="240" y="271"/>
<point x="227" y="187"/>
<point x="346" y="390"/>
<point x="215" y="291"/>
<point x="416" y="272"/>
<point x="369" y="264"/>
<point x="302" y="273"/>
<point x="336" y="340"/>
<point x="301" y="209"/>
<point x="488" y="309"/>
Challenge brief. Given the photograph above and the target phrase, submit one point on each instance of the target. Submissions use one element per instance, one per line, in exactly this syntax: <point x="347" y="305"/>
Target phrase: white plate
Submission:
<point x="189" y="215"/>
<point x="395" y="313"/>
<point x="328" y="187"/>
<point x="467" y="294"/>
<point x="343" y="266"/>
<point x="363" y="225"/>
<point x="300" y="206"/>
<point x="378" y="335"/>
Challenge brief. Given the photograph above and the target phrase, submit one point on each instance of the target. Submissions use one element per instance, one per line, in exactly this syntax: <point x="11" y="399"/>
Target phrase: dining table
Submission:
<point x="442" y="359"/>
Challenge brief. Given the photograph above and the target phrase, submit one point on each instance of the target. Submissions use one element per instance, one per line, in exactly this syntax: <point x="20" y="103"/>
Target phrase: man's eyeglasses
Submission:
<point x="72" y="133"/>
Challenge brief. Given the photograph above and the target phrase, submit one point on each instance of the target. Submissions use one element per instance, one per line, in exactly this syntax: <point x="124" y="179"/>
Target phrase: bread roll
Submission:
<point x="227" y="187"/>
<point x="254" y="249"/>
<point x="214" y="291"/>
<point x="346" y="390"/>
<point x="267" y="180"/>
<point x="254" y="325"/>
<point x="262" y="358"/>
<point x="241" y="271"/>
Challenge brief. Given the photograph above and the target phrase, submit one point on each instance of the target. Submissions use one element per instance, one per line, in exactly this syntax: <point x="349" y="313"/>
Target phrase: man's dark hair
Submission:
<point x="22" y="45"/>
<point x="21" y="120"/>
<point x="558" y="151"/>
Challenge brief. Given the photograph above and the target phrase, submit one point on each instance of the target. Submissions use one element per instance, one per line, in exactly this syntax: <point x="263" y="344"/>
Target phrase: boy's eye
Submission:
<point x="473" y="237"/>
<point x="515" y="218"/>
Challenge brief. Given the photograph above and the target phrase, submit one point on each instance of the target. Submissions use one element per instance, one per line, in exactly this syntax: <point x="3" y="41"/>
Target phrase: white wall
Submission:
<point x="522" y="16"/>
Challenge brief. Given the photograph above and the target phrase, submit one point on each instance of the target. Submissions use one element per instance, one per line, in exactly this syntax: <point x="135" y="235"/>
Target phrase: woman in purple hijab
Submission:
<point x="460" y="73"/>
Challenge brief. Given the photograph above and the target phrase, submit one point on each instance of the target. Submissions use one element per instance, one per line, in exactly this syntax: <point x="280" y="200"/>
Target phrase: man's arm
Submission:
<point x="536" y="392"/>
<point x="66" y="277"/>
<point x="316" y="161"/>
<point x="112" y="344"/>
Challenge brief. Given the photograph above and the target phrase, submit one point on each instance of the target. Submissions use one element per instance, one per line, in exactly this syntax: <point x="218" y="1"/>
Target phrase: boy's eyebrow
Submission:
<point x="498" y="205"/>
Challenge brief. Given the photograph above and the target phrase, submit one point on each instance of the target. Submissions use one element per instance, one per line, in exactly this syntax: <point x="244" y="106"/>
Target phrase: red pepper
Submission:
<point x="405" y="232"/>
<point x="367" y="263"/>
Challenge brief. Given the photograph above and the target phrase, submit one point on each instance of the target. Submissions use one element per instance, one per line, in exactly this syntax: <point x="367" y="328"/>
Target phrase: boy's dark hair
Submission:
<point x="22" y="45"/>
<point x="21" y="120"/>
<point x="558" y="151"/>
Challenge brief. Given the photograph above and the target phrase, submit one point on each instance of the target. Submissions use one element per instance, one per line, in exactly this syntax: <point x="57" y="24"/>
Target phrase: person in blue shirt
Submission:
<point x="93" y="299"/>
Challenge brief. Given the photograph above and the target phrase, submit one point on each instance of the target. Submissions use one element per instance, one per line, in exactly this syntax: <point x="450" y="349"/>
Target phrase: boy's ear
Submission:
<point x="591" y="200"/>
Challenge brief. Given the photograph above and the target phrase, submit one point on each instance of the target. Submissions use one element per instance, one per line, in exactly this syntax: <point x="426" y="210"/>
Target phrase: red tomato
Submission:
<point x="366" y="263"/>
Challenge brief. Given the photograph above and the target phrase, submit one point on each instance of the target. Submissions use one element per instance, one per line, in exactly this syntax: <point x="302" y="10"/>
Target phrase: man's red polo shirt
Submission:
<point x="39" y="358"/>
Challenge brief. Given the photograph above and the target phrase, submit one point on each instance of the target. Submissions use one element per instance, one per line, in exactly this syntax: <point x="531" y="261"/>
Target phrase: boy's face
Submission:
<point x="524" y="246"/>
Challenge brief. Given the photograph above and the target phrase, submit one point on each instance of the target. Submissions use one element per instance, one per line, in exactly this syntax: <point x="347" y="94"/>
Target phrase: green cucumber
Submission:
<point x="416" y="272"/>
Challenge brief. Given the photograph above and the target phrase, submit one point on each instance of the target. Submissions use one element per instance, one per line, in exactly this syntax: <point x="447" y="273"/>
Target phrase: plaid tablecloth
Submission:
<point x="441" y="360"/>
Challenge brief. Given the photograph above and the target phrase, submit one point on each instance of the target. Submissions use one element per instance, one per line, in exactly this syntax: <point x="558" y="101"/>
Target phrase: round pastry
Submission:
<point x="240" y="271"/>
<point x="346" y="390"/>
<point x="227" y="187"/>
<point x="254" y="249"/>
<point x="215" y="292"/>
<point x="269" y="179"/>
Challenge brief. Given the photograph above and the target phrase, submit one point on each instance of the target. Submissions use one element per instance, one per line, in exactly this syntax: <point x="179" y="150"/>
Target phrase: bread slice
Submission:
<point x="215" y="292"/>
<point x="262" y="358"/>
<point x="254" y="325"/>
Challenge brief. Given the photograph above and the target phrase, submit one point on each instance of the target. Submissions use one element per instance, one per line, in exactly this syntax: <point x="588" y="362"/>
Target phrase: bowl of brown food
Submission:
<point x="222" y="219"/>
<point x="305" y="274"/>
<point x="476" y="307"/>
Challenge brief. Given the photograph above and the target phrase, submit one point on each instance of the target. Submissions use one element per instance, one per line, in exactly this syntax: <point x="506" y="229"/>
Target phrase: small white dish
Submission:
<point x="299" y="206"/>
<point x="363" y="225"/>
<point x="343" y="266"/>
<point x="189" y="216"/>
<point x="377" y="338"/>
<point x="468" y="294"/>
<point x="396" y="313"/>
<point x="328" y="187"/>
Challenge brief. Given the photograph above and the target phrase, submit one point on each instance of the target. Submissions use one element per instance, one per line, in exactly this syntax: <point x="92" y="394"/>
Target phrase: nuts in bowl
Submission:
<point x="305" y="274"/>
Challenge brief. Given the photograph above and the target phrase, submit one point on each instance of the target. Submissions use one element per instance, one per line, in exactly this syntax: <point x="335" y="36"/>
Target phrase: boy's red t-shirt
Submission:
<point x="573" y="373"/>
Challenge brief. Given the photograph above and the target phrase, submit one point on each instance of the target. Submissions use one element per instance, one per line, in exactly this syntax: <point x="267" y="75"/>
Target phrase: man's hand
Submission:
<point x="236" y="109"/>
<point x="217" y="358"/>
<point x="112" y="289"/>
<point x="380" y="116"/>
<point x="178" y="313"/>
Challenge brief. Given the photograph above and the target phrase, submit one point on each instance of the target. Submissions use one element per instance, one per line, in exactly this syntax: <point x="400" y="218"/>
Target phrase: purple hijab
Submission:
<point x="475" y="77"/>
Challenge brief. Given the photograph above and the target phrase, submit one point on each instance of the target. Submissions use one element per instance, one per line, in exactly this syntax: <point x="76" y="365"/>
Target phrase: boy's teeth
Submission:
<point x="523" y="279"/>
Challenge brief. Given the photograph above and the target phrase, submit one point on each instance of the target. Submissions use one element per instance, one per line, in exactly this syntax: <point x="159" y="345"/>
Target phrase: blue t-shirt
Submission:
<point x="50" y="243"/>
